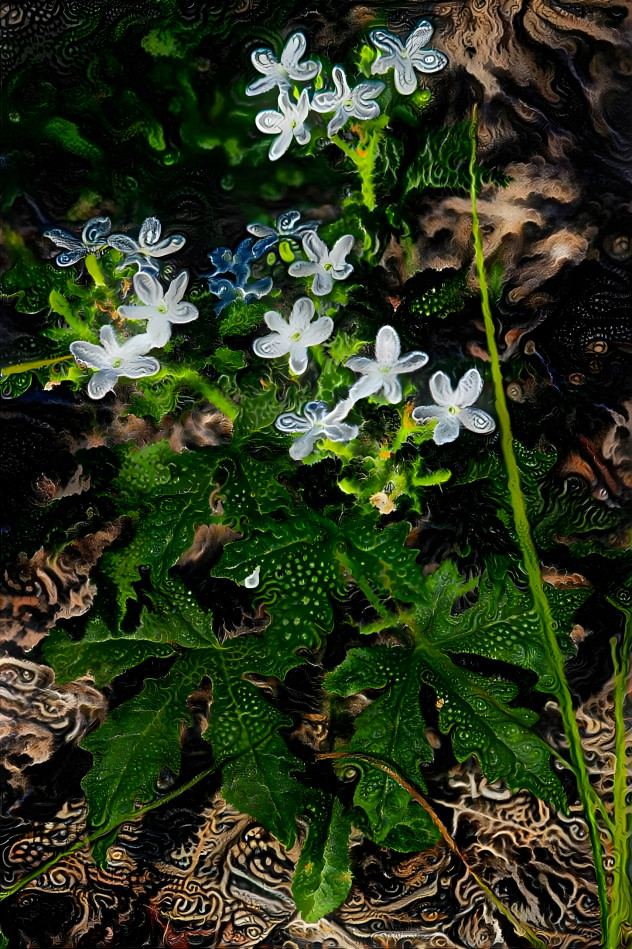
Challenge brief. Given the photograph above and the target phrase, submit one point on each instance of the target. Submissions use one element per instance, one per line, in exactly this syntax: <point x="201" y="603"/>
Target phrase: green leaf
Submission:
<point x="476" y="710"/>
<point x="391" y="728"/>
<point x="103" y="658"/>
<point x="322" y="878"/>
<point x="164" y="520"/>
<point x="137" y="741"/>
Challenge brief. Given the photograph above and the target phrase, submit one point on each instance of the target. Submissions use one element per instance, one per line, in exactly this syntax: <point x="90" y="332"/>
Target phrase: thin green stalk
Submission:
<point x="103" y="832"/>
<point x="621" y="885"/>
<point x="388" y="768"/>
<point x="530" y="557"/>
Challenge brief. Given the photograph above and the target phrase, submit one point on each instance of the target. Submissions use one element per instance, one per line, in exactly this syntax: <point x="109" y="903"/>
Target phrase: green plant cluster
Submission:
<point x="322" y="549"/>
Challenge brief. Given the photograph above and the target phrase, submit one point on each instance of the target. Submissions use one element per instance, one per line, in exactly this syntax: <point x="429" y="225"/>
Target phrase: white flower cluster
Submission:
<point x="159" y="309"/>
<point x="379" y="376"/>
<point x="343" y="102"/>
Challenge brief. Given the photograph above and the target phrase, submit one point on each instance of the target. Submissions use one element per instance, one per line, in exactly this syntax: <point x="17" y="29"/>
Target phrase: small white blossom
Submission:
<point x="287" y="124"/>
<point x="380" y="374"/>
<point x="147" y="246"/>
<point x="94" y="240"/>
<point x="326" y="265"/>
<point x="113" y="359"/>
<point x="159" y="307"/>
<point x="293" y="337"/>
<point x="282" y="73"/>
<point x="405" y="58"/>
<point x="318" y="422"/>
<point x="346" y="103"/>
<point x="453" y="407"/>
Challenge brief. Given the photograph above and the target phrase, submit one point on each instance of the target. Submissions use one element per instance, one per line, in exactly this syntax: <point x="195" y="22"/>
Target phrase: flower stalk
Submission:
<point x="530" y="557"/>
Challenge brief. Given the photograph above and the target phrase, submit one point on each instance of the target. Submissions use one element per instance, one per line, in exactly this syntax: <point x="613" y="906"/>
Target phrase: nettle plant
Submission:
<point x="334" y="455"/>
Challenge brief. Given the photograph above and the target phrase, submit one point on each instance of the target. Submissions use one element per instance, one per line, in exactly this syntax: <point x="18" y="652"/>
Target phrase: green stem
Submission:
<point x="621" y="884"/>
<point x="365" y="165"/>
<point x="530" y="557"/>
<point x="34" y="364"/>
<point x="103" y="832"/>
<point x="388" y="768"/>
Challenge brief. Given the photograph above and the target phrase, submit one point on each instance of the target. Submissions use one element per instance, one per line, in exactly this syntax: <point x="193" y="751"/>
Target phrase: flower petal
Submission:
<point x="392" y="389"/>
<point x="316" y="411"/>
<point x="365" y="386"/>
<point x="91" y="355"/>
<point x="322" y="282"/>
<point x="339" y="251"/>
<point x="276" y="323"/>
<point x="477" y="421"/>
<point x="159" y="331"/>
<point x="387" y="346"/>
<point x="290" y="422"/>
<point x="302" y="268"/>
<point x="271" y="346"/>
<point x="102" y="382"/>
<point x="410" y="362"/>
<point x="365" y="110"/>
<point x="148" y="289"/>
<point x="404" y="76"/>
<point x="280" y="145"/>
<point x="259" y="86"/>
<point x="447" y="430"/>
<point x="419" y="37"/>
<point x="339" y="411"/>
<point x="429" y="60"/>
<point x="168" y="245"/>
<point x="294" y="49"/>
<point x="422" y="413"/>
<point x="96" y="230"/>
<point x="318" y="331"/>
<point x="361" y="364"/>
<point x="139" y="312"/>
<point x="341" y="272"/>
<point x="183" y="313"/>
<point x="256" y="289"/>
<point x="149" y="232"/>
<point x="335" y="124"/>
<point x="139" y="366"/>
<point x="134" y="346"/>
<point x="314" y="247"/>
<point x="261" y="230"/>
<point x="264" y="60"/>
<point x="469" y="388"/>
<point x="304" y="445"/>
<point x="176" y="289"/>
<point x="302" y="313"/>
<point x="123" y="243"/>
<point x="441" y="389"/>
<point x="270" y="121"/>
<point x="298" y="358"/>
<point x="324" y="102"/>
<point x="340" y="431"/>
<point x="109" y="340"/>
<point x="387" y="42"/>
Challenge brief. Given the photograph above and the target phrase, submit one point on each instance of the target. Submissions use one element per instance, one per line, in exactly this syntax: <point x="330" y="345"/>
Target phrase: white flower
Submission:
<point x="280" y="74"/>
<point x="381" y="373"/>
<point x="147" y="246"/>
<point x="113" y="359"/>
<point x="317" y="423"/>
<point x="327" y="265"/>
<point x="160" y="308"/>
<point x="453" y="407"/>
<point x="293" y="337"/>
<point x="287" y="124"/>
<point x="404" y="59"/>
<point x="345" y="102"/>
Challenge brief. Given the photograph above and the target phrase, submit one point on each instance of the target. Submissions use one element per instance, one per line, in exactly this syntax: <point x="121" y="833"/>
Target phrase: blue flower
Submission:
<point x="94" y="240"/>
<point x="238" y="264"/>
